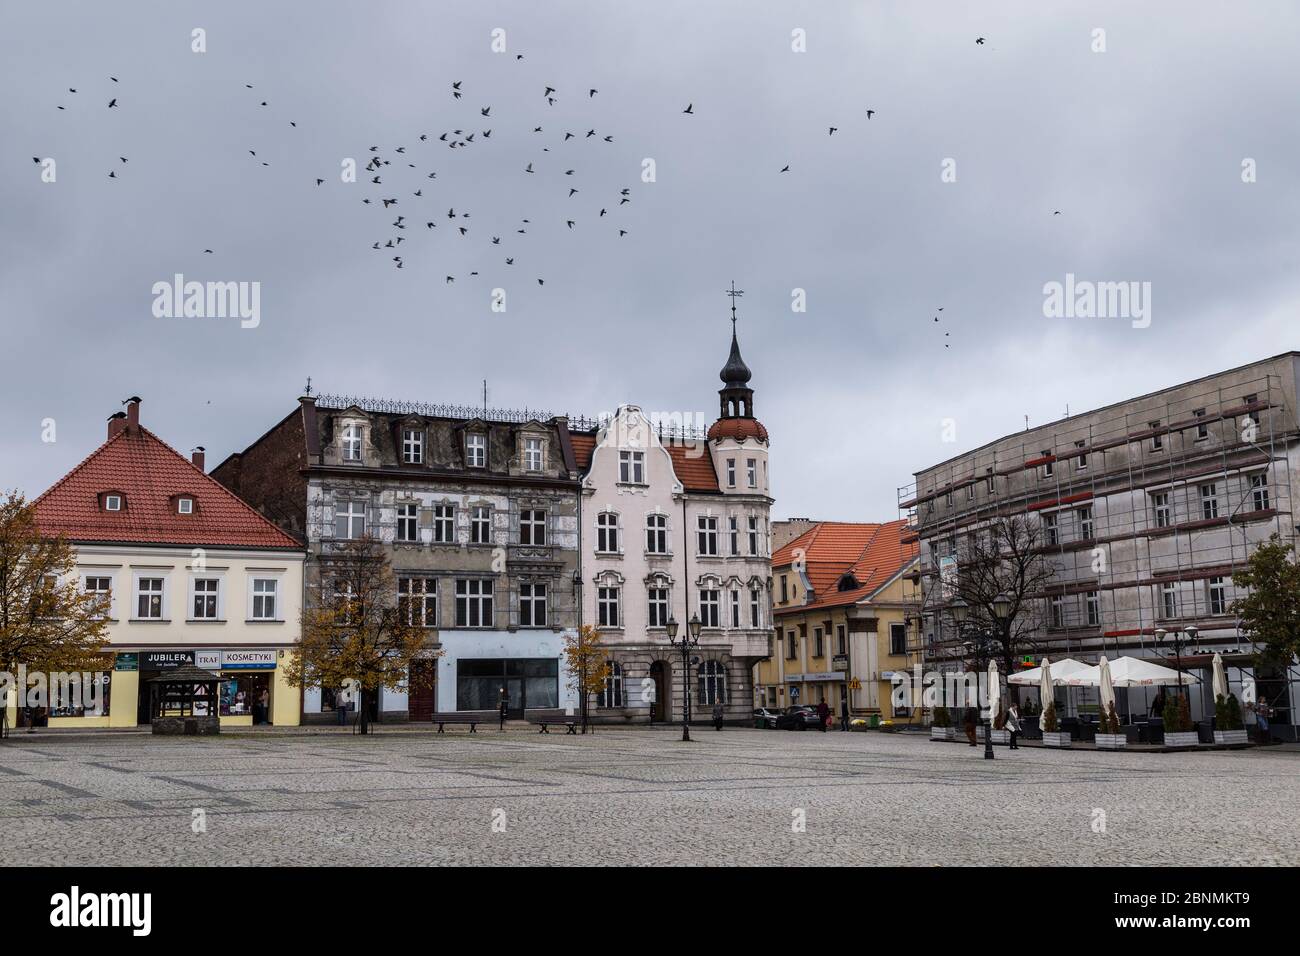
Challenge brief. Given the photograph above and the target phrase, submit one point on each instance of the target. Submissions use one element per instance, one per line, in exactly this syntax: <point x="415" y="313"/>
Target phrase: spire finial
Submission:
<point x="735" y="294"/>
<point x="308" y="391"/>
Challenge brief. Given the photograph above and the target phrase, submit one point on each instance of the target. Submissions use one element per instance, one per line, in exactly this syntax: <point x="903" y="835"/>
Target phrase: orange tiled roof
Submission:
<point x="874" y="553"/>
<point x="738" y="428"/>
<point x="149" y="473"/>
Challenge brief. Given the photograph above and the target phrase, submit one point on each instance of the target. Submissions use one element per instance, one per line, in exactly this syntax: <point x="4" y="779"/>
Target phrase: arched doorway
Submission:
<point x="660" y="675"/>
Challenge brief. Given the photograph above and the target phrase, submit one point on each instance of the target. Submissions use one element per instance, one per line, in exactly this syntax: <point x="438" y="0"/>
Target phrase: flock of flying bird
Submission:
<point x="388" y="166"/>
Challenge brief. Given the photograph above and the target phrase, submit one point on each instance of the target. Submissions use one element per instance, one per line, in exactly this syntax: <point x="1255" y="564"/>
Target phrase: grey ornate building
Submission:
<point x="479" y="512"/>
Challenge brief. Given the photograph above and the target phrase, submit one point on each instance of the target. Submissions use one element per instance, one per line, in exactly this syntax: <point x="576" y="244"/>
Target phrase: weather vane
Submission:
<point x="308" y="384"/>
<point x="735" y="294"/>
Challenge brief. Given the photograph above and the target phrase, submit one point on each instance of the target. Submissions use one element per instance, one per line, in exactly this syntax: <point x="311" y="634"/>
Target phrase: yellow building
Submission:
<point x="188" y="574"/>
<point x="839" y="626"/>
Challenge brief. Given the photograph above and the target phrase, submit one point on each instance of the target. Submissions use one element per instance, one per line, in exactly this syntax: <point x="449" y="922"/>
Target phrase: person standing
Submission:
<point x="1013" y="725"/>
<point x="341" y="707"/>
<point x="844" y="713"/>
<point x="1262" y="713"/>
<point x="823" y="712"/>
<point x="969" y="725"/>
<point x="505" y="705"/>
<point x="264" y="705"/>
<point x="717" y="715"/>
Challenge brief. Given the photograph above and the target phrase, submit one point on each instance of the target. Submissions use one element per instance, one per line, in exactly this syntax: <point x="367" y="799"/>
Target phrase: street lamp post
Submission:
<point x="1191" y="632"/>
<point x="986" y="643"/>
<point x="690" y="640"/>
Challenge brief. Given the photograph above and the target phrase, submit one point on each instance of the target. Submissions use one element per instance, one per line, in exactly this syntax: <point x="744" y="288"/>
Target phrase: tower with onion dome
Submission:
<point x="738" y="440"/>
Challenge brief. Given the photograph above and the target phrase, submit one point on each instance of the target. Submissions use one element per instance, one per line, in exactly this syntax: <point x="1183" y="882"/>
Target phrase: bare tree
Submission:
<point x="1004" y="557"/>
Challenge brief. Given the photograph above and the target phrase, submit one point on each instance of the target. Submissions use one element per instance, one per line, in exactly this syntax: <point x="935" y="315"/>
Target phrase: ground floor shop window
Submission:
<point x="528" y="683"/>
<point x="246" y="695"/>
<point x="73" y="699"/>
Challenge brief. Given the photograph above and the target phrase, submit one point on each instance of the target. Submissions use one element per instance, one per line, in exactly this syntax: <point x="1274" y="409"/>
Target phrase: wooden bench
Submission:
<point x="473" y="718"/>
<point x="570" y="724"/>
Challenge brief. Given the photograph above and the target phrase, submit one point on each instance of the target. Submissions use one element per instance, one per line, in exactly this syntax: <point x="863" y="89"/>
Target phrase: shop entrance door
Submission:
<point x="659" y="706"/>
<point x="516" y="702"/>
<point x="422" y="690"/>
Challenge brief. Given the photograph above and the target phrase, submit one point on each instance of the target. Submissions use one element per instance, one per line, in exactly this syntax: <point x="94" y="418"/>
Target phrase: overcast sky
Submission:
<point x="1139" y="147"/>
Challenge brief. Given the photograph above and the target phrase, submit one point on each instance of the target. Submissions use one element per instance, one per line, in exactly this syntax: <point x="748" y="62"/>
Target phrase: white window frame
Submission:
<point x="110" y="499"/>
<point x="480" y="524"/>
<point x="608" y="606"/>
<point x="607" y="533"/>
<point x="1169" y="600"/>
<point x="631" y="467"/>
<point x="731" y="472"/>
<point x="735" y="608"/>
<point x="421" y="601"/>
<point x="412" y="446"/>
<point x="351" y="441"/>
<point x="532" y="594"/>
<point x="1092" y="608"/>
<point x="658" y="606"/>
<point x="1052" y="528"/>
<point x="408" y="519"/>
<point x="706" y="537"/>
<point x="476" y="450"/>
<point x="164" y="603"/>
<point x="219" y="604"/>
<point x="533" y="454"/>
<point x="1162" y="512"/>
<point x="751" y="472"/>
<point x="656" y="533"/>
<point x="475" y="596"/>
<point x="755" y="607"/>
<point x="1087" y="530"/>
<point x="256" y="578"/>
<point x="108" y="606"/>
<point x="348" y="511"/>
<point x="1209" y="494"/>
<point x="1259" y="492"/>
<point x="1216" y="604"/>
<point x="185" y="505"/>
<point x="532" y="520"/>
<point x="443" y="525"/>
<point x="710" y="608"/>
<point x="733" y="535"/>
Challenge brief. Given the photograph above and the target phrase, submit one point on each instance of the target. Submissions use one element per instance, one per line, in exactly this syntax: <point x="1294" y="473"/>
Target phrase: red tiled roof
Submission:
<point x="149" y="473"/>
<point x="692" y="462"/>
<point x="583" y="446"/>
<point x="738" y="428"/>
<point x="694" y="466"/>
<point x="874" y="553"/>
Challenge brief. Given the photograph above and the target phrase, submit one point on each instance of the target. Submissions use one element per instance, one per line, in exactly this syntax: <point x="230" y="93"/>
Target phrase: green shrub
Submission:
<point x="1050" y="725"/>
<point x="1234" y="713"/>
<point x="1221" y="712"/>
<point x="942" y="717"/>
<point x="1170" y="715"/>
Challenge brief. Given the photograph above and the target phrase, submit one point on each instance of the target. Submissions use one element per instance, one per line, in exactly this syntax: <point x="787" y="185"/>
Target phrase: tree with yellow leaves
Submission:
<point x="584" y="655"/>
<point x="354" y="627"/>
<point x="47" y="622"/>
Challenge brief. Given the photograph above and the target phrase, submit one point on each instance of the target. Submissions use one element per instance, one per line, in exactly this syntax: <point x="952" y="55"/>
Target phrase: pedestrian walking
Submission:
<point x="264" y="706"/>
<point x="717" y="715"/>
<point x="844" y="713"/>
<point x="1013" y="725"/>
<point x="341" y="707"/>
<point x="823" y="712"/>
<point x="1262" y="713"/>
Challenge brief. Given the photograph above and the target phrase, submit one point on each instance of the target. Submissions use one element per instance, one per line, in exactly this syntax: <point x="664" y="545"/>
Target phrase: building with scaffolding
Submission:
<point x="1144" y="510"/>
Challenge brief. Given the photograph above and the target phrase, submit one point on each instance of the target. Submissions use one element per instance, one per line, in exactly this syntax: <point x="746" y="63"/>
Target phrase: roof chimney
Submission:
<point x="196" y="457"/>
<point x="116" y="423"/>
<point x="133" y="414"/>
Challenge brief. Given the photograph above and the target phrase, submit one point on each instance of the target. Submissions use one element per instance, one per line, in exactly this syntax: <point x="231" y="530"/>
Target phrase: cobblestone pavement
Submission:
<point x="623" y="797"/>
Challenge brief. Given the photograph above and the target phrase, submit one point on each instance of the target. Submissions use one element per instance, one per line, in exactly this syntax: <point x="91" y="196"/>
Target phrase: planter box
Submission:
<point x="1230" y="737"/>
<point x="1059" y="739"/>
<point x="999" y="736"/>
<point x="1184" y="738"/>
<point x="1111" y="741"/>
<point x="943" y="733"/>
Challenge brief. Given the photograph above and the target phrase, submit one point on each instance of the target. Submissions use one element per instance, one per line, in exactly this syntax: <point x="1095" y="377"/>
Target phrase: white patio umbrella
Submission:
<point x="1107" y="686"/>
<point x="1046" y="695"/>
<point x="995" y="691"/>
<point x="1060" y="671"/>
<point x="1220" y="678"/>
<point x="1130" y="672"/>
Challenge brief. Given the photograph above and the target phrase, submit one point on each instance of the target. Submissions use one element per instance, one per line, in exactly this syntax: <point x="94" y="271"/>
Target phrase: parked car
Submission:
<point x="766" y="718"/>
<point x="798" y="717"/>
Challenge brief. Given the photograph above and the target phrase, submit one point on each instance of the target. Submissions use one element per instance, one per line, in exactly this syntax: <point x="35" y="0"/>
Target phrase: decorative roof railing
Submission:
<point x="672" y="430"/>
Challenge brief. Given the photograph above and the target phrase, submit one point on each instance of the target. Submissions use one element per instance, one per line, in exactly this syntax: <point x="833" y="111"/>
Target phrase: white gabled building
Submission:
<point x="675" y="524"/>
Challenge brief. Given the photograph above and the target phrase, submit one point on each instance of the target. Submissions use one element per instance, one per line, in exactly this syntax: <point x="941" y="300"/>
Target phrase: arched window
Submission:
<point x="713" y="683"/>
<point x="612" y="695"/>
<point x="607" y="531"/>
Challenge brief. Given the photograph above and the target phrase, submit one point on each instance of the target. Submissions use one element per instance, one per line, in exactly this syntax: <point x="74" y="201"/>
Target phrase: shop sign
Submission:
<point x="126" y="662"/>
<point x="208" y="660"/>
<point x="248" y="660"/>
<point x="165" y="660"/>
<point x="840" y="662"/>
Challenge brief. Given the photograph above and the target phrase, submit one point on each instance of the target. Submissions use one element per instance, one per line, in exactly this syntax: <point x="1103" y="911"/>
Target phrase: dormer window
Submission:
<point x="532" y="454"/>
<point x="476" y="450"/>
<point x="412" y="446"/>
<point x="351" y="443"/>
<point x="185" y="506"/>
<point x="113" y="502"/>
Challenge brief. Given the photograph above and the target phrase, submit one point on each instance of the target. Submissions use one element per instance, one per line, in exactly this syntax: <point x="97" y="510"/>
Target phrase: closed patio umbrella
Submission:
<point x="995" y="691"/>
<point x="1220" y="678"/>
<point x="1045" y="692"/>
<point x="1106" y="685"/>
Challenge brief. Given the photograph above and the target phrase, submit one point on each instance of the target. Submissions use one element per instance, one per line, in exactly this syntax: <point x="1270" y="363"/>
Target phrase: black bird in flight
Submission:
<point x="112" y="175"/>
<point x="319" y="181"/>
<point x="979" y="41"/>
<point x="690" y="108"/>
<point x="510" y="262"/>
<point x="785" y="169"/>
<point x="450" y="280"/>
<point x="832" y="131"/>
<point x="455" y="89"/>
<point x="485" y="111"/>
<point x="111" y="103"/>
<point x="208" y="251"/>
<point x="429" y="225"/>
<point x="622" y="232"/>
<point x="609" y="139"/>
<point x="870" y="113"/>
<point x="591" y="93"/>
<point x="570" y="222"/>
<point x="527" y="169"/>
<point x="548" y="91"/>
